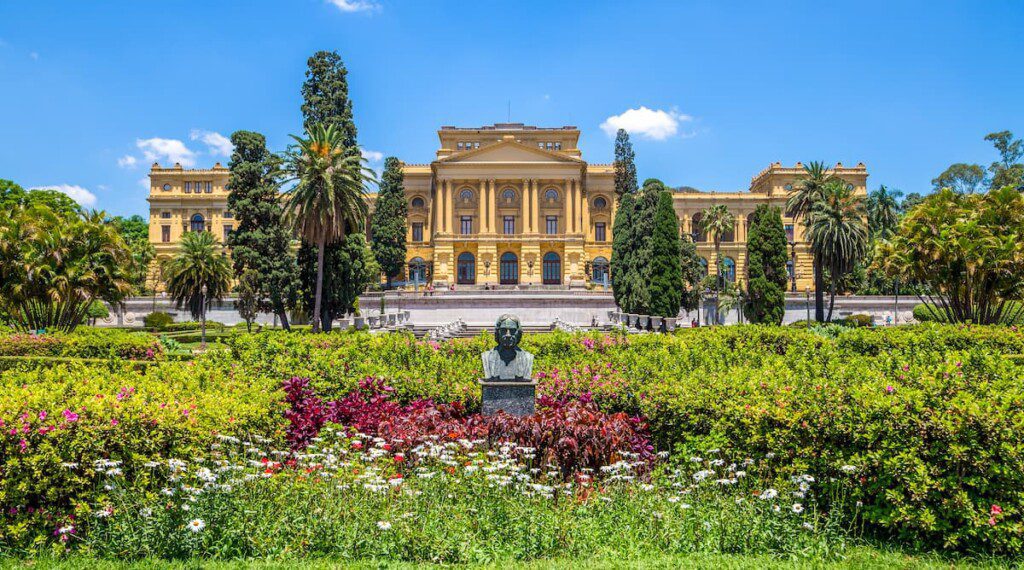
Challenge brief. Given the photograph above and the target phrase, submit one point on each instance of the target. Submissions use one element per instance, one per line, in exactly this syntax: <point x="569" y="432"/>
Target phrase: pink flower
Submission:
<point x="889" y="389"/>
<point x="113" y="421"/>
<point x="996" y="510"/>
<point x="70" y="416"/>
<point x="42" y="415"/>
<point x="23" y="444"/>
<point x="992" y="521"/>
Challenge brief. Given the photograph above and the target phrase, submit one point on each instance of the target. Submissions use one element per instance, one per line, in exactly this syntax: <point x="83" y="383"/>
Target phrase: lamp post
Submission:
<point x="202" y="299"/>
<point x="700" y="297"/>
<point x="792" y="261"/>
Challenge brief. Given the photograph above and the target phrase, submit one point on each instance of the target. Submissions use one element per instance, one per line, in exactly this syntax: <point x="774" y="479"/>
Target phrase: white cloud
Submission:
<point x="172" y="150"/>
<point x="127" y="161"/>
<point x="217" y="143"/>
<point x="77" y="193"/>
<point x="351" y="6"/>
<point x="144" y="182"/>
<point x="372" y="155"/>
<point x="653" y="124"/>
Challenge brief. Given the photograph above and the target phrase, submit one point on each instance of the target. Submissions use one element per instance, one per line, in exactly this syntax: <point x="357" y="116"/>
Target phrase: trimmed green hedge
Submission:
<point x="85" y="342"/>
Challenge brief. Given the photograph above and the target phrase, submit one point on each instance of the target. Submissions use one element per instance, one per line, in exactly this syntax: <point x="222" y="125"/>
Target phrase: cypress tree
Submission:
<point x="388" y="222"/>
<point x="261" y="243"/>
<point x="666" y="278"/>
<point x="625" y="169"/>
<point x="325" y="101"/>
<point x="621" y="286"/>
<point x="693" y="274"/>
<point x="766" y="267"/>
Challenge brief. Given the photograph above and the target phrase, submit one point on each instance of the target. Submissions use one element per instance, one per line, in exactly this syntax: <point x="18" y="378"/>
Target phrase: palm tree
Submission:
<point x="200" y="262"/>
<point x="805" y="195"/>
<point x="329" y="197"/>
<point x="716" y="221"/>
<point x="883" y="212"/>
<point x="838" y="232"/>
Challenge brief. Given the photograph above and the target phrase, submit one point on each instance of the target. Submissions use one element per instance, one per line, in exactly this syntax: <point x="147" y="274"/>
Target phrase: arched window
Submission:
<point x="551" y="195"/>
<point x="466" y="195"/>
<point x="198" y="223"/>
<point x="703" y="268"/>
<point x="599" y="269"/>
<point x="509" y="271"/>
<point x="697" y="228"/>
<point x="466" y="269"/>
<point x="600" y="203"/>
<point x="417" y="270"/>
<point x="417" y="202"/>
<point x="789" y="270"/>
<point x="729" y="269"/>
<point x="552" y="265"/>
<point x="509" y="195"/>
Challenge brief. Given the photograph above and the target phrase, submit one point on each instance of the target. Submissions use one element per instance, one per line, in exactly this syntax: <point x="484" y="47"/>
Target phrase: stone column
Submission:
<point x="568" y="207"/>
<point x="492" y="206"/>
<point x="535" y="206"/>
<point x="428" y="229"/>
<point x="482" y="203"/>
<point x="526" y="207"/>
<point x="449" y="207"/>
<point x="585" y="221"/>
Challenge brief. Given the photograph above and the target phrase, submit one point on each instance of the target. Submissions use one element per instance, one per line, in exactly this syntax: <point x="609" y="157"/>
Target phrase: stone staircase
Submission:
<point x="470" y="331"/>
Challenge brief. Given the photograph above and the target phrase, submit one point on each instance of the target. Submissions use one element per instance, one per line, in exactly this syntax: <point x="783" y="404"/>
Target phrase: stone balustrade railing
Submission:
<point x="379" y="321"/>
<point x="643" y="322"/>
<point x="447" y="331"/>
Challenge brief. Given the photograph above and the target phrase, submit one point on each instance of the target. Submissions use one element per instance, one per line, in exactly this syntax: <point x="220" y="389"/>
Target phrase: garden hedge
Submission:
<point x="931" y="415"/>
<point x="85" y="342"/>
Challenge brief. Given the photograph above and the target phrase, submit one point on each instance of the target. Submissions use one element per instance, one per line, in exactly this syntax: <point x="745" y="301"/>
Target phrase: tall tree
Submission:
<point x="200" y="262"/>
<point x="261" y="244"/>
<point x="135" y="232"/>
<point x="329" y="197"/>
<point x="766" y="267"/>
<point x="247" y="297"/>
<point x="325" y="98"/>
<point x="625" y="169"/>
<point x="693" y="274"/>
<point x="389" y="220"/>
<point x="806" y="194"/>
<point x="910" y="201"/>
<point x="716" y="221"/>
<point x="621" y="269"/>
<point x="1007" y="171"/>
<point x="838" y="232"/>
<point x="666" y="274"/>
<point x="962" y="178"/>
<point x="883" y="212"/>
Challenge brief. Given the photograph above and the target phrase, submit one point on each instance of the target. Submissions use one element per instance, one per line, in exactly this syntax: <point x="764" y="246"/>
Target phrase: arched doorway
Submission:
<point x="729" y="269"/>
<point x="466" y="269"/>
<point x="552" y="269"/>
<point x="417" y="271"/>
<point x="599" y="270"/>
<point x="198" y="223"/>
<point x="509" y="270"/>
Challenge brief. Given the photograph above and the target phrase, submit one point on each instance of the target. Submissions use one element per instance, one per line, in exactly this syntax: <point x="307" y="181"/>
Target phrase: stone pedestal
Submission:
<point x="515" y="397"/>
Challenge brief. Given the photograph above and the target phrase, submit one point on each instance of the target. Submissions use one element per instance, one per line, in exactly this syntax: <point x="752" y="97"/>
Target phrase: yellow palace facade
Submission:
<point x="507" y="205"/>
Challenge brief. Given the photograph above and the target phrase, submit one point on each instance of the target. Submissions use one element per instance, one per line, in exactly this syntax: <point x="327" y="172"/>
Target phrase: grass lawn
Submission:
<point x="857" y="558"/>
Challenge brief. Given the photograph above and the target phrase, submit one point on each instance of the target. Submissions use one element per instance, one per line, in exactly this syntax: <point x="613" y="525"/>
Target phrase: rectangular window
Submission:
<point x="459" y="146"/>
<point x="599" y="231"/>
<point x="789" y="232"/>
<point x="188" y="187"/>
<point x="165" y="215"/>
<point x="552" y="225"/>
<point x="209" y="187"/>
<point x="229" y="216"/>
<point x="466" y="225"/>
<point x="417" y="231"/>
<point x="558" y="146"/>
<point x="509" y="223"/>
<point x="165" y="234"/>
<point x="476" y="144"/>
<point x="540" y="145"/>
<point x="227" y="233"/>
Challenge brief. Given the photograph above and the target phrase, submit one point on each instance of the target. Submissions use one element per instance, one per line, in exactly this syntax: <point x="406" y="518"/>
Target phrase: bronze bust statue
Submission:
<point x="507" y="361"/>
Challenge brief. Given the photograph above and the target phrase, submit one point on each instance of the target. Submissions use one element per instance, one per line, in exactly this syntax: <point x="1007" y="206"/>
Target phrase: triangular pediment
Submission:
<point x="509" y="152"/>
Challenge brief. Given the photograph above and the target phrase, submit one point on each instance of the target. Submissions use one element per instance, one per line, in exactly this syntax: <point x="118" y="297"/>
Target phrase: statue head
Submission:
<point x="507" y="331"/>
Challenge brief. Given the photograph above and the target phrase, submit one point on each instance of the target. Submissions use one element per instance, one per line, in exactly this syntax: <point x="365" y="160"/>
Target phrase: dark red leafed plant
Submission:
<point x="571" y="433"/>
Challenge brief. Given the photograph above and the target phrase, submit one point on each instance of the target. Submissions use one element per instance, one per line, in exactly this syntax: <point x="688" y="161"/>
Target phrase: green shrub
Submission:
<point x="193" y="326"/>
<point x="928" y="313"/>
<point x="860" y="320"/>
<point x="157" y="320"/>
<point x="85" y="342"/>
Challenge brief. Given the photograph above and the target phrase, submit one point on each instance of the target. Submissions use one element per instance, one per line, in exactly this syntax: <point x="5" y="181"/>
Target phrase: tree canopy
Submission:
<point x="665" y="269"/>
<point x="766" y="267"/>
<point x="625" y="168"/>
<point x="388" y="224"/>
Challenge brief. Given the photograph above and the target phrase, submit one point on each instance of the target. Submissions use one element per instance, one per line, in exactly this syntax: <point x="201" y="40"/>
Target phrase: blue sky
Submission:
<point x="717" y="90"/>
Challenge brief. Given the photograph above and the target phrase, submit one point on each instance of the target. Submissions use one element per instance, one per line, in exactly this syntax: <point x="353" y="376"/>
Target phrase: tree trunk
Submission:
<point x="389" y="282"/>
<point x="819" y="290"/>
<point x="832" y="299"/>
<point x="319" y="282"/>
<point x="283" y="315"/>
<point x="718" y="277"/>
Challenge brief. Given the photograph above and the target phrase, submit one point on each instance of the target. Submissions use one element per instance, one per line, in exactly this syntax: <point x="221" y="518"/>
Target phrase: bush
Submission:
<point x="860" y="321"/>
<point x="85" y="342"/>
<point x="928" y="313"/>
<point x="157" y="320"/>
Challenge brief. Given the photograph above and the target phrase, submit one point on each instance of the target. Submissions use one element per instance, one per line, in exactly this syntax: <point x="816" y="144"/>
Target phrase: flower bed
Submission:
<point x="85" y="342"/>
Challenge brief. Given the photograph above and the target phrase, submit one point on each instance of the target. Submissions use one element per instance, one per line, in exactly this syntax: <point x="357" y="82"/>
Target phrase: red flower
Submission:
<point x="399" y="457"/>
<point x="996" y="510"/>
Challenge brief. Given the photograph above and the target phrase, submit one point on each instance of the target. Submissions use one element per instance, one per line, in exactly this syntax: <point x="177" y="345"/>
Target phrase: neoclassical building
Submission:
<point x="512" y="204"/>
<point x="508" y="205"/>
